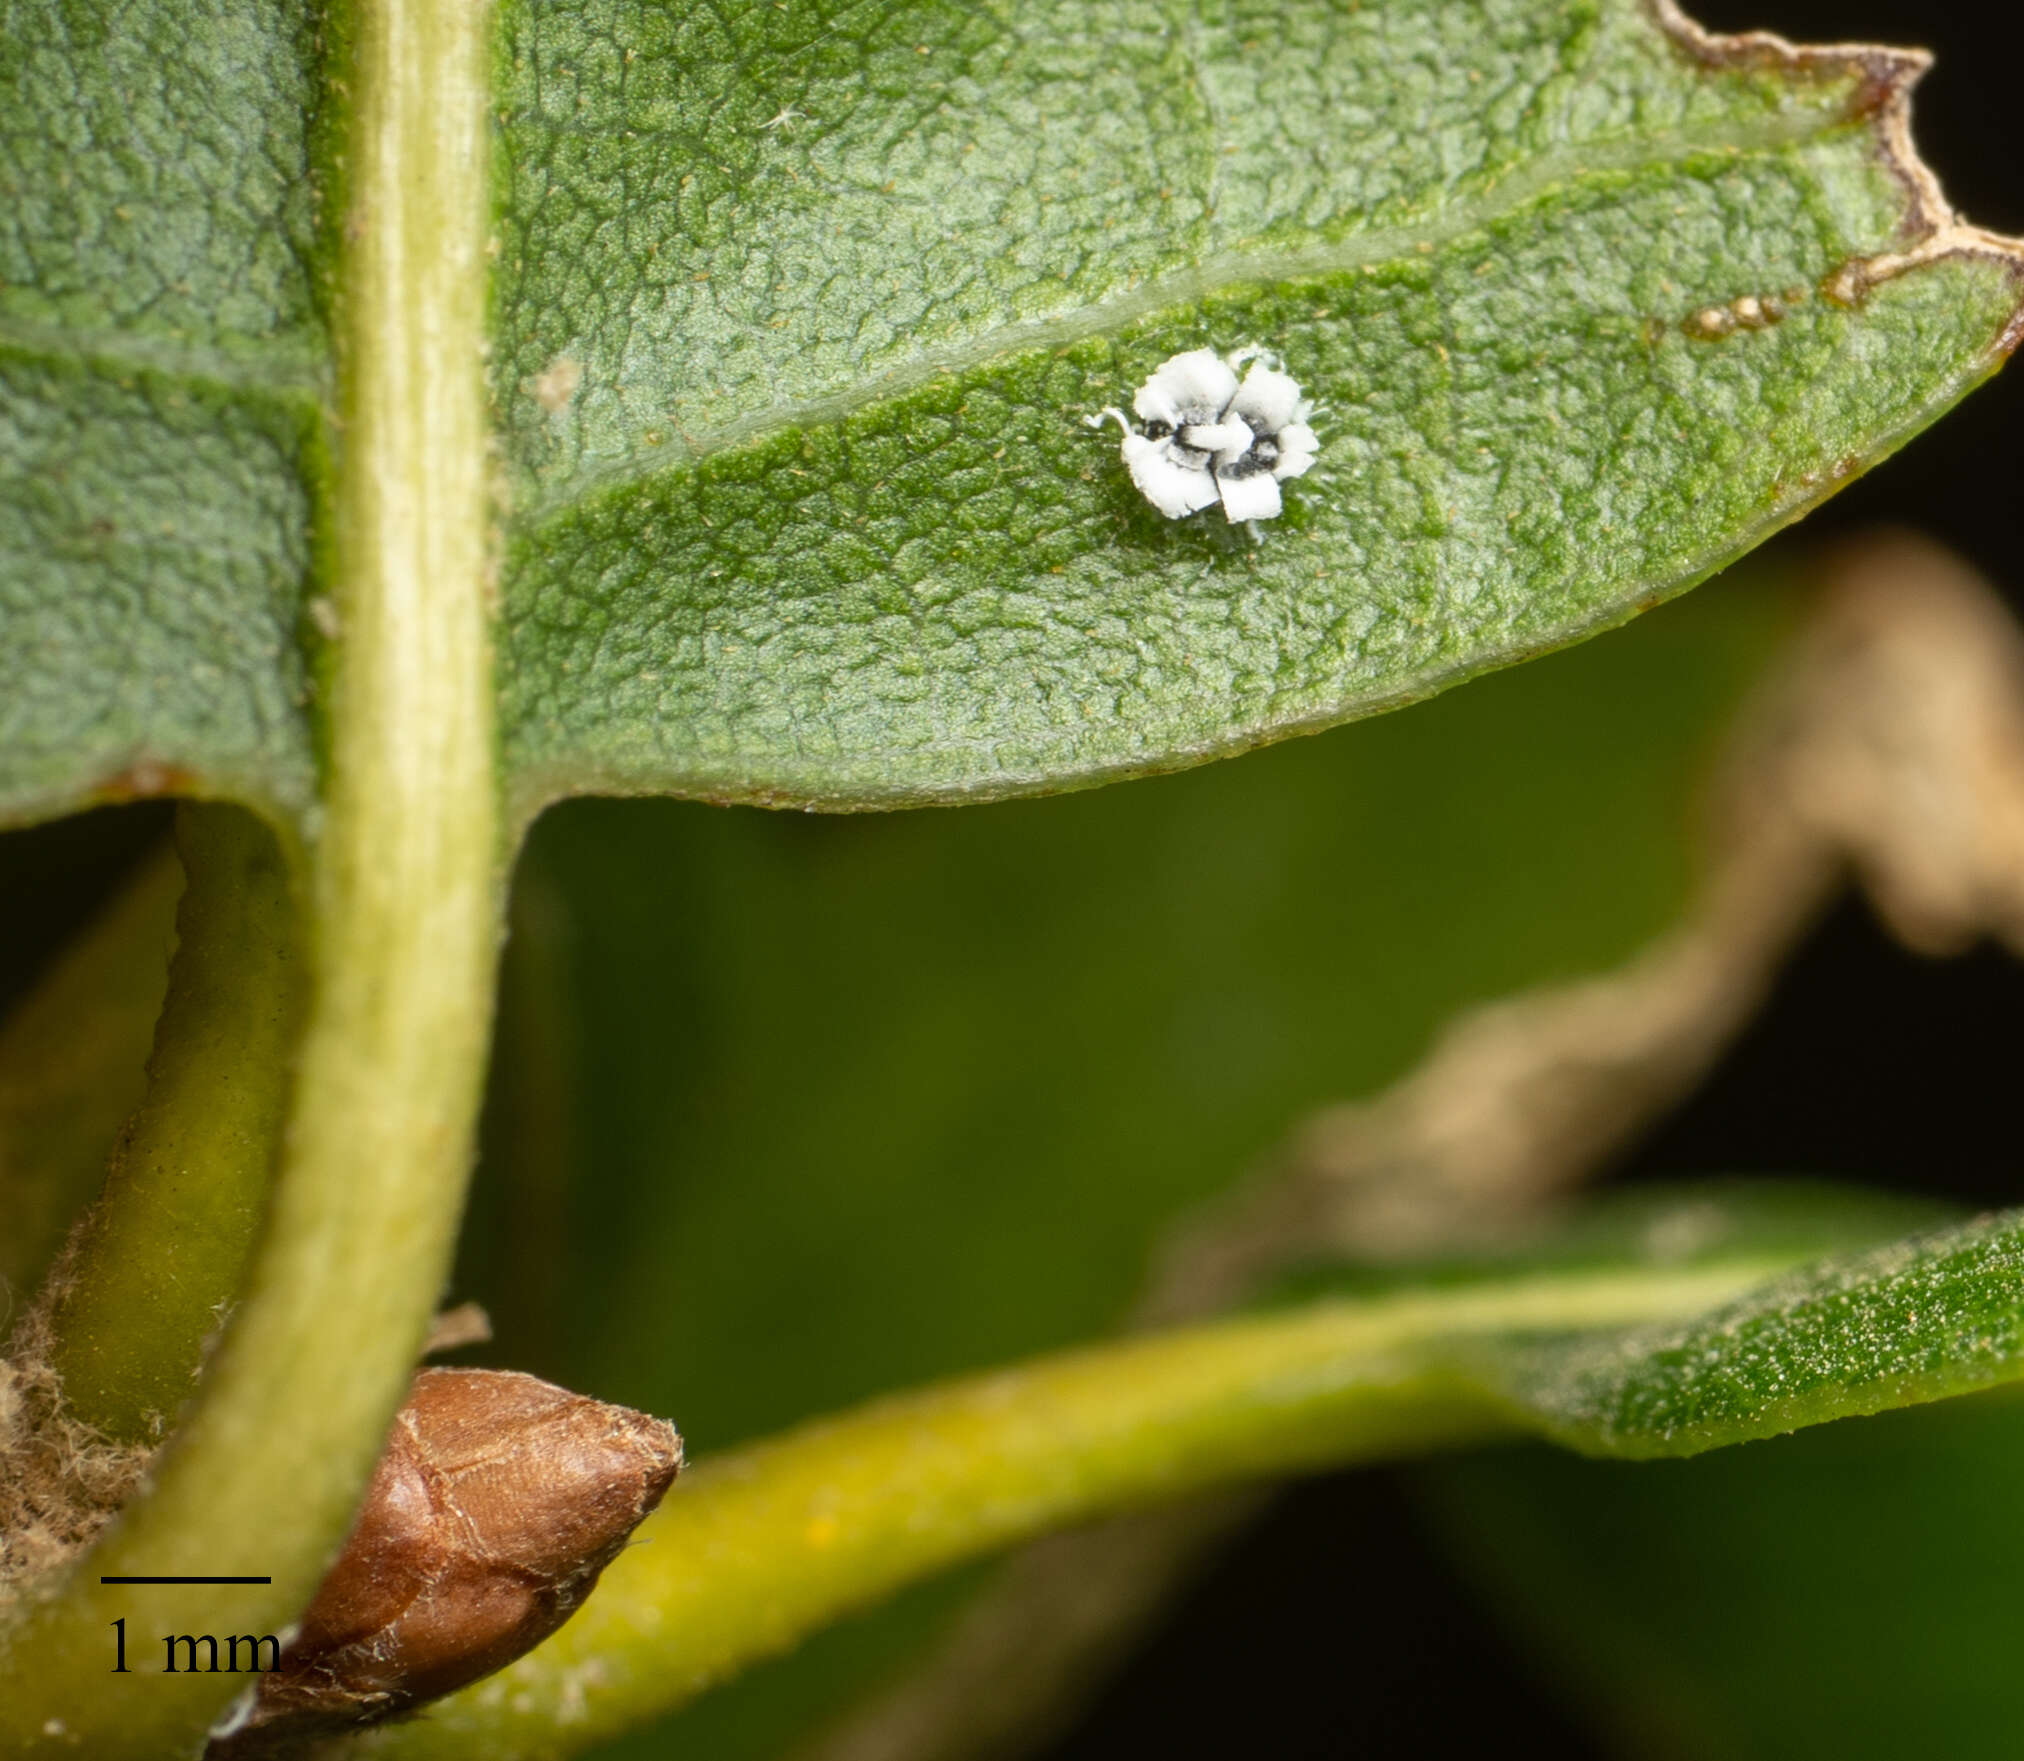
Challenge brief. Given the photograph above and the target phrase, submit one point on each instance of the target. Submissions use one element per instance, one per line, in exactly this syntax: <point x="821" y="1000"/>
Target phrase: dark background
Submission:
<point x="1337" y="1629"/>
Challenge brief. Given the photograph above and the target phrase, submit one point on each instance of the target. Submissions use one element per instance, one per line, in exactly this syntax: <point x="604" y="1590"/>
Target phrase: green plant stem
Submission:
<point x="758" y="1548"/>
<point x="404" y="882"/>
<point x="73" y="1061"/>
<point x="164" y="1250"/>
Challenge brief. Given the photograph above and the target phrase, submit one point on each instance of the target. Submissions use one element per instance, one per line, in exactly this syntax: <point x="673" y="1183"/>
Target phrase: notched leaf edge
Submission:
<point x="1888" y="76"/>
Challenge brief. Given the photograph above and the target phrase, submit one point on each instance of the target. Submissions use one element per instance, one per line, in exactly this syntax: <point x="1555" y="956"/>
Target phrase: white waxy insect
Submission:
<point x="1204" y="436"/>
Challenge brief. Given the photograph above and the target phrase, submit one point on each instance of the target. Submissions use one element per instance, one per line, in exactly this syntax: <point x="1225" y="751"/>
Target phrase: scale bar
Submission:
<point x="186" y="1580"/>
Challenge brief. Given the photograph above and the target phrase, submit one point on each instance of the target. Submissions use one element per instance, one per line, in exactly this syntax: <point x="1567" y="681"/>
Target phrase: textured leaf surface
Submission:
<point x="1918" y="1320"/>
<point x="803" y="307"/>
<point x="159" y="405"/>
<point x="1899" y="1316"/>
<point x="797" y="311"/>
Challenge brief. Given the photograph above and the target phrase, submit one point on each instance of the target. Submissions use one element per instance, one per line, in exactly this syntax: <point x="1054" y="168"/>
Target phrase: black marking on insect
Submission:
<point x="1205" y="436"/>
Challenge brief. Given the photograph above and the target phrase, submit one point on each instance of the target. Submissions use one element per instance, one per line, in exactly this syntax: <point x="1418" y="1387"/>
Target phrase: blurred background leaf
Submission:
<point x="1845" y="1592"/>
<point x="792" y="1110"/>
<point x="73" y="1057"/>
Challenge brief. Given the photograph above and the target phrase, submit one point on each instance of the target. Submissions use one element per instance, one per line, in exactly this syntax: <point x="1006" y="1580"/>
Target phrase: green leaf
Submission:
<point x="836" y="287"/>
<point x="162" y="392"/>
<point x="1914" y="1321"/>
<point x="796" y="314"/>
<point x="761" y="1545"/>
<point x="1849" y="1591"/>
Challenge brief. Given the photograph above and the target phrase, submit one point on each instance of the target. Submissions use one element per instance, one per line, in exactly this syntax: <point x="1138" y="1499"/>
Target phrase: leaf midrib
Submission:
<point x="402" y="900"/>
<point x="1503" y="195"/>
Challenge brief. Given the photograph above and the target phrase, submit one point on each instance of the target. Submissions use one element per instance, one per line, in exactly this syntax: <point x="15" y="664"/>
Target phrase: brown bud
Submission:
<point x="497" y="1502"/>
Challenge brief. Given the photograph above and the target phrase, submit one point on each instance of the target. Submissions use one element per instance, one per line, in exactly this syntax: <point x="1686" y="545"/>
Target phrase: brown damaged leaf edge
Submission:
<point x="497" y="1502"/>
<point x="1932" y="229"/>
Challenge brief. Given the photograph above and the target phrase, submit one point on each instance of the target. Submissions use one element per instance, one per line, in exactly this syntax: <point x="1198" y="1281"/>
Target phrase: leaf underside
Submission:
<point x="797" y="313"/>
<point x="1924" y="1318"/>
